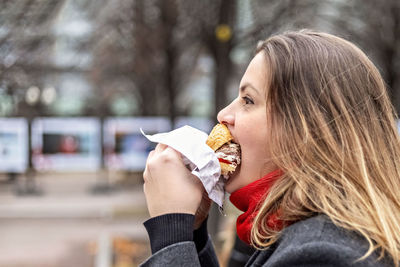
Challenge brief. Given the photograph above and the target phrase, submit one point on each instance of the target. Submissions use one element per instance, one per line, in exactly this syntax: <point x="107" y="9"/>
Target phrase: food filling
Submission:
<point x="229" y="154"/>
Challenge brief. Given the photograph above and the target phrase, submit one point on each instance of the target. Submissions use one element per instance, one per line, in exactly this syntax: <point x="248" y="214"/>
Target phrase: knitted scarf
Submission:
<point x="248" y="198"/>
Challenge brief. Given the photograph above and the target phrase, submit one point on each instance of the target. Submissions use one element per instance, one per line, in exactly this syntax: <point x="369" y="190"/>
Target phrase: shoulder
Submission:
<point x="320" y="229"/>
<point x="318" y="242"/>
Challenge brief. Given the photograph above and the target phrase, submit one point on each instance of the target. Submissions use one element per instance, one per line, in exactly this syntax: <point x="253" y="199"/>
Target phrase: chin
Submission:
<point x="231" y="185"/>
<point x="228" y="189"/>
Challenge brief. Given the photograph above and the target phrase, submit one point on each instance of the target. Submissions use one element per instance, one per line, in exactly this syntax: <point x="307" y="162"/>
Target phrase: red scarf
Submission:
<point x="247" y="198"/>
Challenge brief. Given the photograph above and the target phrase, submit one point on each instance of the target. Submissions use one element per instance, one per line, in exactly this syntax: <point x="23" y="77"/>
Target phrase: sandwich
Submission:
<point x="227" y="152"/>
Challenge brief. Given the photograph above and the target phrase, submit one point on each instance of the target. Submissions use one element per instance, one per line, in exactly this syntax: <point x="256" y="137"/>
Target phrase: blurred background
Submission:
<point x="78" y="78"/>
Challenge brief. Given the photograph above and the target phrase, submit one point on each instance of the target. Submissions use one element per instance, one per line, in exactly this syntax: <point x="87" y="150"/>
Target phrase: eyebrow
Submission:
<point x="248" y="85"/>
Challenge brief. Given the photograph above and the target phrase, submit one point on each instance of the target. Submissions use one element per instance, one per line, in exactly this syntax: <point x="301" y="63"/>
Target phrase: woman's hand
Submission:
<point x="169" y="186"/>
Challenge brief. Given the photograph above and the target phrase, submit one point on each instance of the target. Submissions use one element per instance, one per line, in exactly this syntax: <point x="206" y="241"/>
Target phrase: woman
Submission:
<point x="319" y="181"/>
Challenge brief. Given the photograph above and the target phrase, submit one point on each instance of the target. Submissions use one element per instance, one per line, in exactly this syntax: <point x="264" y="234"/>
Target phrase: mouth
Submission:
<point x="229" y="156"/>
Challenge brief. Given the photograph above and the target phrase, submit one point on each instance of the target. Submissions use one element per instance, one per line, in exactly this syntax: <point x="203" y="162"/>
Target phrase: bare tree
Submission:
<point x="143" y="42"/>
<point x="164" y="38"/>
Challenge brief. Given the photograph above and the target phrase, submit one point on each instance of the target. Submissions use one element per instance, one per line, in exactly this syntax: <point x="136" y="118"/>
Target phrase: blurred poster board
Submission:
<point x="125" y="148"/>
<point x="13" y="145"/>
<point x="202" y="123"/>
<point x="66" y="144"/>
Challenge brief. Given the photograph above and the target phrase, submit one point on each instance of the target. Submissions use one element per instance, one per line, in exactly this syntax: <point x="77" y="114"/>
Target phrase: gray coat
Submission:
<point x="312" y="242"/>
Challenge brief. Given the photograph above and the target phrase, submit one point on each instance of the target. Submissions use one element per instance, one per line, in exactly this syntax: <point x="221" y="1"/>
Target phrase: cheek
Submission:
<point x="254" y="140"/>
<point x="254" y="143"/>
<point x="254" y="156"/>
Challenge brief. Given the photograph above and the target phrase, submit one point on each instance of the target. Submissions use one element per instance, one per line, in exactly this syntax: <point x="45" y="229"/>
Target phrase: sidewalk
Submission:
<point x="64" y="225"/>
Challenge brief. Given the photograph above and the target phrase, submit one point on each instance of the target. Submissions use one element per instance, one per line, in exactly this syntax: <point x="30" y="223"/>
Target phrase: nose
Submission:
<point x="226" y="115"/>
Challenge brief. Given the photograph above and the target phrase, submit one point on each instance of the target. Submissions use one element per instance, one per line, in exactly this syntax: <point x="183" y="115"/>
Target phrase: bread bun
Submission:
<point x="226" y="169"/>
<point x="219" y="135"/>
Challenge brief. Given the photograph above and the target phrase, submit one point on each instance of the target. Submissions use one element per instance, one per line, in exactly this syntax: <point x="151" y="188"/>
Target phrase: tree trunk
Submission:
<point x="169" y="20"/>
<point x="221" y="54"/>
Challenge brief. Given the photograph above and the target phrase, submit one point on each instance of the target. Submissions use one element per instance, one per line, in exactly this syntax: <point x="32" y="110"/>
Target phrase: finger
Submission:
<point x="145" y="174"/>
<point x="151" y="154"/>
<point x="160" y="147"/>
<point x="169" y="149"/>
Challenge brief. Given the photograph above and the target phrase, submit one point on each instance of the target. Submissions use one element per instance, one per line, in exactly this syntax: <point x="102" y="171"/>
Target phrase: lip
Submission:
<point x="232" y="133"/>
<point x="234" y="140"/>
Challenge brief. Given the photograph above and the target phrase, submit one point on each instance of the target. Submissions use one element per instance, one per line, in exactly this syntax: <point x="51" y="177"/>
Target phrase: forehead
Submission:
<point x="256" y="73"/>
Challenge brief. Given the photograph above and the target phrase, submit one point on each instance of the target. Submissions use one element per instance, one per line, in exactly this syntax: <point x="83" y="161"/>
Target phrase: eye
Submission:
<point x="247" y="100"/>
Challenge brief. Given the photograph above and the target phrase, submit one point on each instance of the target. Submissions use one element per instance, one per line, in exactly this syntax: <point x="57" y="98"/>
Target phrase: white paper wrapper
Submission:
<point x="197" y="156"/>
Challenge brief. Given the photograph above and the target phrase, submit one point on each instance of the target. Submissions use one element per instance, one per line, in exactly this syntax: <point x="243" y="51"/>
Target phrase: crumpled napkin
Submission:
<point x="197" y="156"/>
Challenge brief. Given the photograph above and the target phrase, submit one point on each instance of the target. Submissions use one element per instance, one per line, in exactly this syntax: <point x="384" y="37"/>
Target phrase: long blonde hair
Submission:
<point x="335" y="139"/>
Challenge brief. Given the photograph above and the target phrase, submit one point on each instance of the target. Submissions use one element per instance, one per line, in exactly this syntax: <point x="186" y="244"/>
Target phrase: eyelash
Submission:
<point x="247" y="100"/>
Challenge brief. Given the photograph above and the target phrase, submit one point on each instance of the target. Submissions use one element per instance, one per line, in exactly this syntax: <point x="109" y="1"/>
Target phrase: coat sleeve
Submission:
<point x="183" y="254"/>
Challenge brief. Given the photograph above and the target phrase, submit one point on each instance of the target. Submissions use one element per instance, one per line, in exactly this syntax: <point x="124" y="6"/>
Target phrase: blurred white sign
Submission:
<point x="66" y="144"/>
<point x="13" y="145"/>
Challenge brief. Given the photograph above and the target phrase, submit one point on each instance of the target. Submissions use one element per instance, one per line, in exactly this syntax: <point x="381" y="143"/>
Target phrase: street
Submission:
<point x="65" y="225"/>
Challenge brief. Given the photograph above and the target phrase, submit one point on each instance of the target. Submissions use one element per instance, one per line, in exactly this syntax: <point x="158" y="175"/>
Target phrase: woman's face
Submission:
<point x="246" y="118"/>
